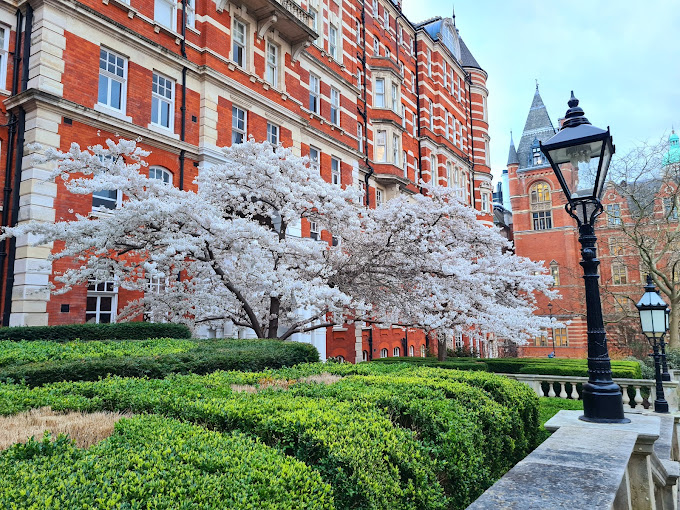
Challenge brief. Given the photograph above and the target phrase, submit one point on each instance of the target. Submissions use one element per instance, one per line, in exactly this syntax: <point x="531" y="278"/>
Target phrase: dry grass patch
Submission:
<point x="324" y="378"/>
<point x="85" y="429"/>
<point x="247" y="388"/>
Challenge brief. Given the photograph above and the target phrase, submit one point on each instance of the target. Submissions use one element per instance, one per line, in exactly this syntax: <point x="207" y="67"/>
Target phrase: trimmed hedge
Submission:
<point x="153" y="462"/>
<point x="202" y="357"/>
<point x="463" y="364"/>
<point x="385" y="436"/>
<point x="117" y="331"/>
<point x="541" y="366"/>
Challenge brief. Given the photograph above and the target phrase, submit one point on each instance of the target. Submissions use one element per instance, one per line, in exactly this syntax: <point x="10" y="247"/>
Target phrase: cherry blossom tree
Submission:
<point x="223" y="251"/>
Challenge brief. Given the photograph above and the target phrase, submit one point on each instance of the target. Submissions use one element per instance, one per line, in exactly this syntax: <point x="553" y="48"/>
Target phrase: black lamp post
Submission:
<point x="653" y="319"/>
<point x="665" y="376"/>
<point x="552" y="328"/>
<point x="588" y="151"/>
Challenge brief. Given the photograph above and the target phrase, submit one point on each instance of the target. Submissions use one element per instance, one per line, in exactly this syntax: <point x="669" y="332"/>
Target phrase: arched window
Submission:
<point x="555" y="272"/>
<point x="422" y="351"/>
<point x="411" y="351"/>
<point x="364" y="356"/>
<point x="383" y="352"/>
<point x="396" y="352"/>
<point x="341" y="359"/>
<point x="160" y="173"/>
<point x="541" y="206"/>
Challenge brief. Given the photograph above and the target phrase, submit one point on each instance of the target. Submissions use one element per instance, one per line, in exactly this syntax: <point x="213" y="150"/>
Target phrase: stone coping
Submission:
<point x="647" y="428"/>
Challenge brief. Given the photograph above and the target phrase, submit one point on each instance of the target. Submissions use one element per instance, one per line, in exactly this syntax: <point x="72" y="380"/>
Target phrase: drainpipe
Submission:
<point x="420" y="145"/>
<point x="364" y="112"/>
<point x="20" y="129"/>
<point x="370" y="343"/>
<point x="468" y="80"/>
<point x="183" y="108"/>
<point x="7" y="191"/>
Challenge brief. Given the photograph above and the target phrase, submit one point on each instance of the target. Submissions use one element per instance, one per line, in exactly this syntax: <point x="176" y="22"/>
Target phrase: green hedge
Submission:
<point x="458" y="364"/>
<point x="118" y="331"/>
<point x="541" y="366"/>
<point x="153" y="462"/>
<point x="125" y="360"/>
<point x="384" y="436"/>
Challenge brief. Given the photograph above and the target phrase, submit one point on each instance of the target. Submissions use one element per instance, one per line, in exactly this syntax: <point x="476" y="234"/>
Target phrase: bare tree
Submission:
<point x="644" y="182"/>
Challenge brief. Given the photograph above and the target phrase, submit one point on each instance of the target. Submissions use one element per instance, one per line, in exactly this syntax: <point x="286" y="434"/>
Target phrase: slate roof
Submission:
<point x="467" y="59"/>
<point x="512" y="154"/>
<point x="538" y="126"/>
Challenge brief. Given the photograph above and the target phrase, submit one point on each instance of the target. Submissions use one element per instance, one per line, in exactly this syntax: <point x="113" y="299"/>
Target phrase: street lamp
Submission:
<point x="653" y="319"/>
<point x="588" y="151"/>
<point x="665" y="376"/>
<point x="552" y="328"/>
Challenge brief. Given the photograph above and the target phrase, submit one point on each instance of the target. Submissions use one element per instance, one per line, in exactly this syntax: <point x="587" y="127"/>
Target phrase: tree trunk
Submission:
<point x="674" y="333"/>
<point x="274" y="309"/>
<point x="441" y="346"/>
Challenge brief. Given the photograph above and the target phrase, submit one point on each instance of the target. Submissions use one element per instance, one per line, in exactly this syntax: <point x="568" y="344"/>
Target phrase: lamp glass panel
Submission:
<point x="585" y="160"/>
<point x="646" y="322"/>
<point x="659" y="322"/>
<point x="604" y="165"/>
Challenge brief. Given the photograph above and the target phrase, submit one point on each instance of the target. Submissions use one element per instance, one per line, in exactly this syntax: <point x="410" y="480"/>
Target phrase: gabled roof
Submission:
<point x="537" y="127"/>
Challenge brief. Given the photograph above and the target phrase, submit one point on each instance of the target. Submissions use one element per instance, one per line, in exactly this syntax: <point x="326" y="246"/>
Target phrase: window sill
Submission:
<point x="101" y="213"/>
<point x="121" y="4"/>
<point x="193" y="30"/>
<point x="162" y="131"/>
<point x="157" y="27"/>
<point x="112" y="112"/>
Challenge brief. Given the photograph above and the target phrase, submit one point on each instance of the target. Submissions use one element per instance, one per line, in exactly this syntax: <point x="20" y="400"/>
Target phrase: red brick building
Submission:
<point x="378" y="101"/>
<point x="544" y="231"/>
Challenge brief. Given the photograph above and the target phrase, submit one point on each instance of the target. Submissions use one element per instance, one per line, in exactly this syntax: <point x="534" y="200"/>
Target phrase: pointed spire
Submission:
<point x="512" y="153"/>
<point x="538" y="126"/>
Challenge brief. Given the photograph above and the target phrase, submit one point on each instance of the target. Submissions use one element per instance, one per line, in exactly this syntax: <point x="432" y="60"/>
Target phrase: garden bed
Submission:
<point x="366" y="436"/>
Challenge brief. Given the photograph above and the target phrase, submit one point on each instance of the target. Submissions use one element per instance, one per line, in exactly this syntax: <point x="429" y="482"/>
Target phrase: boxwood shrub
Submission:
<point x="153" y="462"/>
<point x="383" y="436"/>
<point x="464" y="364"/>
<point x="118" y="331"/>
<point x="154" y="359"/>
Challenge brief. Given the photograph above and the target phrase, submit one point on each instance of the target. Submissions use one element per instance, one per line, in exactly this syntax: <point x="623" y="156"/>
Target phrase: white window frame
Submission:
<point x="386" y="19"/>
<point x="383" y="352"/>
<point x="378" y="197"/>
<point x="272" y="64"/>
<point x="235" y="129"/>
<point x="168" y="4"/>
<point x="431" y="115"/>
<point x="375" y="8"/>
<point x="314" y="158"/>
<point x="161" y="81"/>
<point x="335" y="106"/>
<point x="273" y="134"/>
<point x="113" y="76"/>
<point x="429" y="63"/>
<point x="191" y="13"/>
<point x="485" y="202"/>
<point x="395" y="98"/>
<point x="379" y="93"/>
<point x="376" y="47"/>
<point x="404" y="163"/>
<point x="395" y="149"/>
<point x="333" y="41"/>
<point x="162" y="174"/>
<point x="434" y="170"/>
<point x="449" y="175"/>
<point x="4" y="56"/>
<point x="102" y="289"/>
<point x="360" y="136"/>
<point x="445" y="75"/>
<point x="238" y="44"/>
<point x="314" y="93"/>
<point x="403" y="116"/>
<point x="411" y="351"/>
<point x="381" y="146"/>
<point x="336" y="172"/>
<point x="314" y="231"/>
<point x="396" y="352"/>
<point x="315" y="24"/>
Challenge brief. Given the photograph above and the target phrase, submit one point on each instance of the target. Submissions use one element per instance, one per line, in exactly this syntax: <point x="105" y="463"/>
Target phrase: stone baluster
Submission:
<point x="638" y="397"/>
<point x="624" y="393"/>
<point x="540" y="389"/>
<point x="574" y="391"/>
<point x="563" y="390"/>
<point x="551" y="391"/>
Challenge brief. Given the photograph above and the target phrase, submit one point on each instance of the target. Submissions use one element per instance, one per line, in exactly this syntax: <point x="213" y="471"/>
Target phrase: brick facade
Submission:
<point x="416" y="87"/>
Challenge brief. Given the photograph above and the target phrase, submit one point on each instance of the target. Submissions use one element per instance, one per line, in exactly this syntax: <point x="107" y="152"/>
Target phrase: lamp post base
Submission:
<point x="603" y="403"/>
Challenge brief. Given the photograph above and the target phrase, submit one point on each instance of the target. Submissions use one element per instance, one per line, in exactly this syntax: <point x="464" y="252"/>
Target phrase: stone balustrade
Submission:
<point x="589" y="466"/>
<point x="567" y="387"/>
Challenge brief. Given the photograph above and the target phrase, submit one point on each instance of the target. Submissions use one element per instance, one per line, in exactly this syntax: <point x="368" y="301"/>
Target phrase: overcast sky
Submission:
<point x="622" y="59"/>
